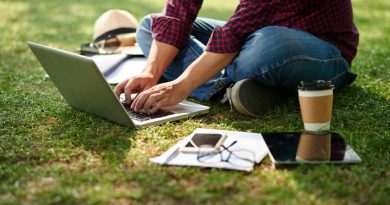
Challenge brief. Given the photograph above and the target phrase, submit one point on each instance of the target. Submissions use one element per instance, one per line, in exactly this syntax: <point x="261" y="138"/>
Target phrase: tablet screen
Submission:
<point x="297" y="147"/>
<point x="200" y="139"/>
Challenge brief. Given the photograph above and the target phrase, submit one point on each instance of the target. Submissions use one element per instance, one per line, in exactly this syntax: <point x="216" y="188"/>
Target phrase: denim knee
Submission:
<point x="261" y="49"/>
<point x="267" y="52"/>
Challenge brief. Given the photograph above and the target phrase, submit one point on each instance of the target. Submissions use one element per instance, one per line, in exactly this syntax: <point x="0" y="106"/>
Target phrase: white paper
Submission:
<point x="119" y="67"/>
<point x="107" y="62"/>
<point x="128" y="68"/>
<point x="245" y="140"/>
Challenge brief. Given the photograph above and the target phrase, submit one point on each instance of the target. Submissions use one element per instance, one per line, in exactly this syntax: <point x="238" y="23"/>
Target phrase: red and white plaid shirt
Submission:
<point x="330" y="20"/>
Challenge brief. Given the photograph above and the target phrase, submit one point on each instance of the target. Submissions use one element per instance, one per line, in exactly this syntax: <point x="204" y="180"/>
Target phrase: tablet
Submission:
<point x="303" y="147"/>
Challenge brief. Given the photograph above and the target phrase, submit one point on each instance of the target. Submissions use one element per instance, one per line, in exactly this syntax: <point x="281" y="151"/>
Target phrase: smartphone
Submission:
<point x="208" y="141"/>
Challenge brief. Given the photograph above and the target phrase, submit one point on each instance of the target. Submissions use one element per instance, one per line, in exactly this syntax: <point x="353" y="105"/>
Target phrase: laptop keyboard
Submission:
<point x="144" y="116"/>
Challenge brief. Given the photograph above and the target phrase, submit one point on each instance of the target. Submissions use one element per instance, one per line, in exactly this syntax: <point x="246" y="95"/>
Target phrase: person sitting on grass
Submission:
<point x="263" y="51"/>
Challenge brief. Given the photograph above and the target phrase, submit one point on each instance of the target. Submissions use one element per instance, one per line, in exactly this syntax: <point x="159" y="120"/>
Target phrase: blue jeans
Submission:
<point x="274" y="56"/>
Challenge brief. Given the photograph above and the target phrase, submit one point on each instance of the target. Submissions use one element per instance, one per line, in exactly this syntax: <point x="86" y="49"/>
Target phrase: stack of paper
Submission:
<point x="118" y="67"/>
<point x="245" y="140"/>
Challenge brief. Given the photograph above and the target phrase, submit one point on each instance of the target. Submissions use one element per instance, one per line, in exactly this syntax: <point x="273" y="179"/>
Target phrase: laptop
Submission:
<point x="83" y="87"/>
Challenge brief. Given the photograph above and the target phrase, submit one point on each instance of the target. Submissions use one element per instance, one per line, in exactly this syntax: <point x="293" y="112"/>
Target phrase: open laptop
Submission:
<point x="83" y="86"/>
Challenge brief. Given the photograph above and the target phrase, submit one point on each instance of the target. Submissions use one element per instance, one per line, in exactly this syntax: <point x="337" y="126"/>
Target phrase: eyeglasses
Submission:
<point x="235" y="156"/>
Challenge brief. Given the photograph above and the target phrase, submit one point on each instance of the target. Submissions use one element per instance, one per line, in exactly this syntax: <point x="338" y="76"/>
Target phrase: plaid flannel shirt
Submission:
<point x="330" y="20"/>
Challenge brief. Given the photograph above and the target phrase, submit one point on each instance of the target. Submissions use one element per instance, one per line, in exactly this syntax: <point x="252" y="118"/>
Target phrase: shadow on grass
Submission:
<point x="110" y="141"/>
<point x="69" y="24"/>
<point x="362" y="117"/>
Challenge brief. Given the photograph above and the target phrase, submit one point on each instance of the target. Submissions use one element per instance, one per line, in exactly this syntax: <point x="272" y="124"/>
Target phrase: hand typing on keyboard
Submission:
<point x="122" y="98"/>
<point x="145" y="116"/>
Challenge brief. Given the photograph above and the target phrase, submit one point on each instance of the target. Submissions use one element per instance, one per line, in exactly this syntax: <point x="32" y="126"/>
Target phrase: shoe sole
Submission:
<point x="258" y="98"/>
<point x="235" y="99"/>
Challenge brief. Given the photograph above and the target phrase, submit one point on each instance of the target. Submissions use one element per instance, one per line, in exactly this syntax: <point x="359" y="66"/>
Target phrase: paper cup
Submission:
<point x="316" y="102"/>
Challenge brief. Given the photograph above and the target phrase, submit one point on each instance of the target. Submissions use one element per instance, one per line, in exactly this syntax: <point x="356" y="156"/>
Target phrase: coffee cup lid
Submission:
<point x="317" y="85"/>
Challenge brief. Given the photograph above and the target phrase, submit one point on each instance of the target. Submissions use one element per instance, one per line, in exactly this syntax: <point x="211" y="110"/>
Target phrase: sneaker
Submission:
<point x="251" y="98"/>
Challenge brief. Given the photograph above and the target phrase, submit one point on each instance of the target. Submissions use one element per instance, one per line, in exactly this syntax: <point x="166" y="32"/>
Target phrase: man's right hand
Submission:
<point x="160" y="56"/>
<point x="135" y="84"/>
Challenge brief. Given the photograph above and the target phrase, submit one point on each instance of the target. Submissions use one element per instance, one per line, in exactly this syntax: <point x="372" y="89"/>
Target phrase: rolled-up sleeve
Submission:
<point x="250" y="15"/>
<point x="175" y="24"/>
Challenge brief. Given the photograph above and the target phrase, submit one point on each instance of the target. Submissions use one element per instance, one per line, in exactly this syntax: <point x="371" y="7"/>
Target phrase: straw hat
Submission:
<point x="112" y="23"/>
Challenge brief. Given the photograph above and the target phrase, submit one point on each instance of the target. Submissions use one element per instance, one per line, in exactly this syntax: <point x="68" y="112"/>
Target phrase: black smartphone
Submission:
<point x="206" y="141"/>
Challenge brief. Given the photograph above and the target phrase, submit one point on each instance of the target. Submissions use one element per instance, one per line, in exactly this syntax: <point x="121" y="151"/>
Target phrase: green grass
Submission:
<point x="52" y="154"/>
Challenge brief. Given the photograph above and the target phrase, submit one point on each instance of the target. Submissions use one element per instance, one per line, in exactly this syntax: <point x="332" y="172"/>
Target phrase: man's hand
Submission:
<point x="171" y="93"/>
<point x="134" y="84"/>
<point x="160" y="96"/>
<point x="161" y="55"/>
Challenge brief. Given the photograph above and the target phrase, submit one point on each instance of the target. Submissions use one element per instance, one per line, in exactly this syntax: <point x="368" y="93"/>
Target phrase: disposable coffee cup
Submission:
<point x="314" y="147"/>
<point x="316" y="101"/>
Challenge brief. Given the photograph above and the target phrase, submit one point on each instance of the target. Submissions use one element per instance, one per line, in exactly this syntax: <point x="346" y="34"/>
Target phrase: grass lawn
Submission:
<point x="53" y="154"/>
